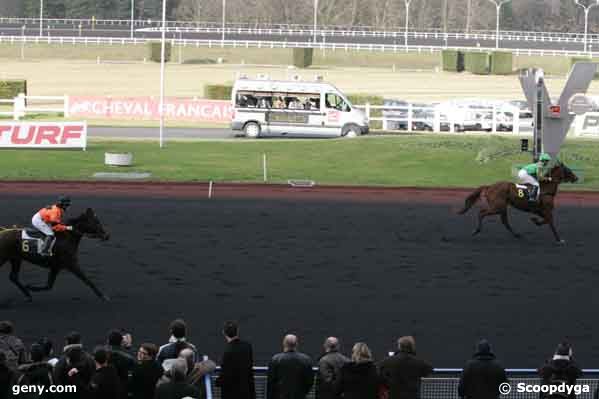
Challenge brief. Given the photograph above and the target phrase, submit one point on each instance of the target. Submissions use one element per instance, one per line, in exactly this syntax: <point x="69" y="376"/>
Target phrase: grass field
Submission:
<point x="88" y="78"/>
<point x="396" y="161"/>
<point x="190" y="54"/>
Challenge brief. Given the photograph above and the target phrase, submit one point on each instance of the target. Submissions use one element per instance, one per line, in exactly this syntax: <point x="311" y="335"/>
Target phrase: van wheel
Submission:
<point x="251" y="130"/>
<point x="350" y="131"/>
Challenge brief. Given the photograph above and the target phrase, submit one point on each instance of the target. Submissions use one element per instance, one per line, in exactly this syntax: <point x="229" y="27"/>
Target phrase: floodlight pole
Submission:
<point x="132" y="16"/>
<point x="407" y="22"/>
<point x="315" y="19"/>
<point x="587" y="9"/>
<point x="162" y="51"/>
<point x="41" y="17"/>
<point x="224" y="17"/>
<point x="498" y="5"/>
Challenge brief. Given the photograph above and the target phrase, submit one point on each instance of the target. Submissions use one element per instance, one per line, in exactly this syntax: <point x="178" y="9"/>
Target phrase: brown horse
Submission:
<point x="499" y="196"/>
<point x="64" y="254"/>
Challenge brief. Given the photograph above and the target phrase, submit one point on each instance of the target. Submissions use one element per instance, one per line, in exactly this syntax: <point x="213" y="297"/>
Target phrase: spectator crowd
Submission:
<point x="177" y="370"/>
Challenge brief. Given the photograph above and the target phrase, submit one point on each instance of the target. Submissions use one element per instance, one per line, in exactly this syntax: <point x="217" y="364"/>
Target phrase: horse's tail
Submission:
<point x="471" y="200"/>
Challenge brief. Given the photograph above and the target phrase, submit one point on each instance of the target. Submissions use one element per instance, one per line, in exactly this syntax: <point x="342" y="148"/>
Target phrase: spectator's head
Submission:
<point x="178" y="369"/>
<point x="289" y="343"/>
<point x="407" y="344"/>
<point x="37" y="353"/>
<point x="178" y="328"/>
<point x="115" y="338"/>
<point x="188" y="355"/>
<point x="6" y="327"/>
<point x="483" y="347"/>
<point x="101" y="357"/>
<point x="331" y="344"/>
<point x="147" y="352"/>
<point x="231" y="329"/>
<point x="72" y="338"/>
<point x="361" y="353"/>
<point x="563" y="350"/>
<point x="47" y="346"/>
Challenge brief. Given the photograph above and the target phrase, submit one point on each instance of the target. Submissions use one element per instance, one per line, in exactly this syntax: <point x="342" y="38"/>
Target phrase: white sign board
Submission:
<point x="43" y="135"/>
<point x="587" y="124"/>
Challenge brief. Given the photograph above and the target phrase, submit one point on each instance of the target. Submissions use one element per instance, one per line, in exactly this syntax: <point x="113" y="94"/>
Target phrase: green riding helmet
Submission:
<point x="544" y="157"/>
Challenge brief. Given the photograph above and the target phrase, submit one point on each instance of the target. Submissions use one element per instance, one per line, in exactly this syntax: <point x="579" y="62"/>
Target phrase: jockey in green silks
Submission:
<point x="532" y="173"/>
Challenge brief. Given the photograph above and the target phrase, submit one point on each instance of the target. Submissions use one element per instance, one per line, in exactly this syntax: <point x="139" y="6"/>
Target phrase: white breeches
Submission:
<point x="525" y="178"/>
<point x="42" y="226"/>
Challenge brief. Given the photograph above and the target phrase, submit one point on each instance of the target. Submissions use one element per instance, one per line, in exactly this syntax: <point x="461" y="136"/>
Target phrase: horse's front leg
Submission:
<point x="76" y="270"/>
<point x="14" y="277"/>
<point x="548" y="219"/>
<point x="52" y="274"/>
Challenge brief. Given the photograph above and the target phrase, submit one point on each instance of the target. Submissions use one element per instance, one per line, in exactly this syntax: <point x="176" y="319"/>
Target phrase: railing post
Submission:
<point x="516" y="122"/>
<point x="367" y="109"/>
<point x="19" y="106"/>
<point x="409" y="117"/>
<point x="66" y="107"/>
<point x="437" y="120"/>
<point x="494" y="119"/>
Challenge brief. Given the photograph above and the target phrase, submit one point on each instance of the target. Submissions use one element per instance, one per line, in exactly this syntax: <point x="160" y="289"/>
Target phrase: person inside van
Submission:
<point x="279" y="103"/>
<point x="294" y="103"/>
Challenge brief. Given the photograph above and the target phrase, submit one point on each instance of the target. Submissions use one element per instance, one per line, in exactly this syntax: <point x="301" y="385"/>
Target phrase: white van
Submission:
<point x="268" y="108"/>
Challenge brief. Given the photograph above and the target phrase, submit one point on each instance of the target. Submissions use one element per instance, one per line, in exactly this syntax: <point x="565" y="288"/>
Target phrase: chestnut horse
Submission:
<point x="497" y="197"/>
<point x="64" y="256"/>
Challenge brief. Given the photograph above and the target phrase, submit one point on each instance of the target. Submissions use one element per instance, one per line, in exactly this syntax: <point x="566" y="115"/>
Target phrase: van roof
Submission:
<point x="282" y="85"/>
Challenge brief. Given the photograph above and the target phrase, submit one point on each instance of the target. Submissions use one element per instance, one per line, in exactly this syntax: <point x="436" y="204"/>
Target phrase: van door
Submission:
<point x="334" y="113"/>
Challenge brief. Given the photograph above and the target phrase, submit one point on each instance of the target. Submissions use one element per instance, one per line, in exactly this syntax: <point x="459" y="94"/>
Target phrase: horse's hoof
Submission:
<point x="105" y="298"/>
<point x="518" y="236"/>
<point x="29" y="299"/>
<point x="561" y="242"/>
<point x="475" y="232"/>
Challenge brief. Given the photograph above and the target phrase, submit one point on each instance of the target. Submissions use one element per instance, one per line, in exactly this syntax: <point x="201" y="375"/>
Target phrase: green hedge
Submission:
<point x="155" y="49"/>
<point x="9" y="89"/>
<point x="501" y="63"/>
<point x="302" y="57"/>
<point x="478" y="63"/>
<point x="218" y="92"/>
<point x="452" y="60"/>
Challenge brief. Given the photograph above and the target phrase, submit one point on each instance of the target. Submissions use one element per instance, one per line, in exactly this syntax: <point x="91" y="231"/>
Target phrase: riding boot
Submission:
<point x="45" y="251"/>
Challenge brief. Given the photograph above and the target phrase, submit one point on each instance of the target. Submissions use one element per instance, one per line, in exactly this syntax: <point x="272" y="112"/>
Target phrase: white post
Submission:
<point x="367" y="111"/>
<point x="315" y="19"/>
<point x="494" y="119"/>
<point x="224" y="16"/>
<point x="162" y="51"/>
<point x="132" y="16"/>
<point x="210" y="190"/>
<point x="41" y="17"/>
<point x="516" y="122"/>
<point x="264" y="167"/>
<point x="410" y="117"/>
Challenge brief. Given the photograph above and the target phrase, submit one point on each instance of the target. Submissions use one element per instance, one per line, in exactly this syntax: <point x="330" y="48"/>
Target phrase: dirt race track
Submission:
<point x="362" y="264"/>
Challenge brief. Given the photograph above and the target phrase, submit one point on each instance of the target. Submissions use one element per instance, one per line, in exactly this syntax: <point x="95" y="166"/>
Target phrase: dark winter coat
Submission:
<point x="359" y="381"/>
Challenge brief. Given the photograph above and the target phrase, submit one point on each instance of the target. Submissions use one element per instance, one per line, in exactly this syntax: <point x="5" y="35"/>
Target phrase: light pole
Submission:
<point x="41" y="17"/>
<point x="224" y="14"/>
<point x="586" y="19"/>
<point x="316" y="19"/>
<point x="407" y="21"/>
<point x="132" y="16"/>
<point x="498" y="4"/>
<point x="162" y="51"/>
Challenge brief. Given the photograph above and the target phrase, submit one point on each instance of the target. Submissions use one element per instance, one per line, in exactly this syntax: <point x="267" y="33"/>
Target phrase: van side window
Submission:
<point x="333" y="101"/>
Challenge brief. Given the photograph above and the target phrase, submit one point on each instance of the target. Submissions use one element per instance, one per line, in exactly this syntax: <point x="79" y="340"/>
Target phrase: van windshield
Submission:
<point x="335" y="101"/>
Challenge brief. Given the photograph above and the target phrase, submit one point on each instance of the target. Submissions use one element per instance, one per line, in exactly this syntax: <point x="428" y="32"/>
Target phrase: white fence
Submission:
<point x="452" y="117"/>
<point x="23" y="105"/>
<point x="265" y="27"/>
<point x="71" y="40"/>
